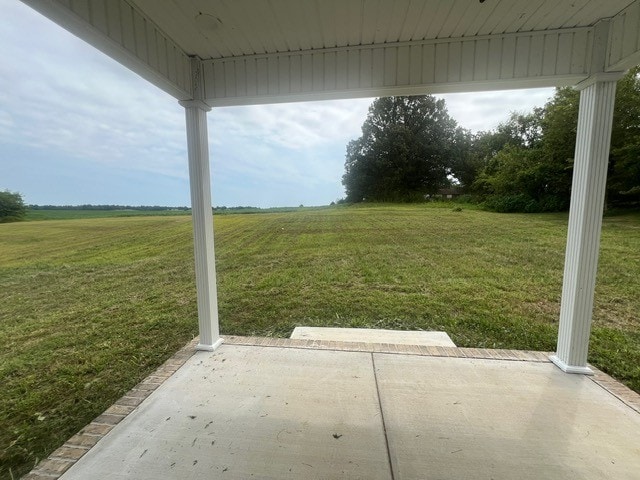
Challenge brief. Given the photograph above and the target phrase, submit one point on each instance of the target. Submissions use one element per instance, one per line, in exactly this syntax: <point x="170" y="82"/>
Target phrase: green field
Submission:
<point x="75" y="213"/>
<point x="88" y="307"/>
<point x="80" y="214"/>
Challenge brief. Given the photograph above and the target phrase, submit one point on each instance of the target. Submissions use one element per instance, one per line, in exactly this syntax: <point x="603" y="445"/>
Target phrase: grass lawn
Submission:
<point x="88" y="307"/>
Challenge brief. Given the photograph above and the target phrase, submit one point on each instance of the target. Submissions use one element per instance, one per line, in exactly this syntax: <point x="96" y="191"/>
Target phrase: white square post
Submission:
<point x="597" y="97"/>
<point x="202" y="216"/>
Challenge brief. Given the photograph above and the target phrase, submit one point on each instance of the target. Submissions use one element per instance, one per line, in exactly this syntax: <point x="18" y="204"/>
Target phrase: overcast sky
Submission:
<point x="78" y="128"/>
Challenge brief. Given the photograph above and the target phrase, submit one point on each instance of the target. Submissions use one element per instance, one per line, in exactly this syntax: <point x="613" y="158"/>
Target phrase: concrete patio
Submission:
<point x="287" y="408"/>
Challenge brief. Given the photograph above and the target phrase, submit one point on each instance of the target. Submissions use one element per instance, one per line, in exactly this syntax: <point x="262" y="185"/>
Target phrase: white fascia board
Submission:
<point x="432" y="89"/>
<point x="124" y="34"/>
<point x="526" y="60"/>
<point x="623" y="47"/>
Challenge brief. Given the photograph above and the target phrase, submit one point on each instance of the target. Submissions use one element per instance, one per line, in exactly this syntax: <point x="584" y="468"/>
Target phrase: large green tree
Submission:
<point x="559" y="130"/>
<point x="527" y="163"/>
<point x="406" y="151"/>
<point x="624" y="167"/>
<point x="12" y="207"/>
<point x="515" y="175"/>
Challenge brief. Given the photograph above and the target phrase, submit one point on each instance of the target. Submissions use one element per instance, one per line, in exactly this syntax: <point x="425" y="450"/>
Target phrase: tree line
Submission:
<point x="411" y="149"/>
<point x="12" y="207"/>
<point x="106" y="207"/>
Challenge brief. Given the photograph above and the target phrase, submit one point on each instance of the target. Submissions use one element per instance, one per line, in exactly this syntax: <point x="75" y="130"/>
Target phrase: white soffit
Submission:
<point x="250" y="27"/>
<point x="262" y="51"/>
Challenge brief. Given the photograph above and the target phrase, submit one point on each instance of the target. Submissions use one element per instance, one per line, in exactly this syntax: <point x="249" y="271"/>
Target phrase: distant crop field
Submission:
<point x="76" y="213"/>
<point x="73" y="214"/>
<point x="90" y="306"/>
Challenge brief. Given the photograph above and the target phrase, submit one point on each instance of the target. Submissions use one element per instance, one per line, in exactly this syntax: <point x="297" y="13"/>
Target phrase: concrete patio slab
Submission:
<point x="487" y="419"/>
<point x="250" y="412"/>
<point x="373" y="335"/>
<point x="282" y="408"/>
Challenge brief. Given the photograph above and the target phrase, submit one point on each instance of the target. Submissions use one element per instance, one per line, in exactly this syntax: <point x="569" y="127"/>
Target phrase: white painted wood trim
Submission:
<point x="585" y="221"/>
<point x="436" y="88"/>
<point x="209" y="348"/>
<point x="523" y="60"/>
<point x="599" y="77"/>
<point x="568" y="368"/>
<point x="204" y="250"/>
<point x="623" y="45"/>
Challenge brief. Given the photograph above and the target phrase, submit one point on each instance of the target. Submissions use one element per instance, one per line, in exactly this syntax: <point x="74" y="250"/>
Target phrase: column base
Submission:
<point x="569" y="368"/>
<point x="209" y="348"/>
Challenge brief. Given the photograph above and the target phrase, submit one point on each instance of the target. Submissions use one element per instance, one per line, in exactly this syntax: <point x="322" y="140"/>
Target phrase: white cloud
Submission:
<point x="296" y="126"/>
<point x="64" y="95"/>
<point x="6" y="123"/>
<point x="484" y="111"/>
<point x="299" y="145"/>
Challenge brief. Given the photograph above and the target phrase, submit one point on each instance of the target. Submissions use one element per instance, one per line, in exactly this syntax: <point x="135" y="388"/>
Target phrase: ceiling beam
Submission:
<point x="520" y="60"/>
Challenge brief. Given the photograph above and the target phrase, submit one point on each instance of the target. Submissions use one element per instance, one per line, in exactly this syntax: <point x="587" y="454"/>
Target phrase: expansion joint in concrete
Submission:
<point x="384" y="425"/>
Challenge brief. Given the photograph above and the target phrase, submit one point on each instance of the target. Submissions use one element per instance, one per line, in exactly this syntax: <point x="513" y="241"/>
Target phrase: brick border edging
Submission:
<point x="454" y="352"/>
<point x="616" y="388"/>
<point x="77" y="446"/>
<point x="72" y="450"/>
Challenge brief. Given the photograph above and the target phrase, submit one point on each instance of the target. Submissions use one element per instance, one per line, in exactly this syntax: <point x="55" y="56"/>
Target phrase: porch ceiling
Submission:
<point x="259" y="51"/>
<point x="249" y="27"/>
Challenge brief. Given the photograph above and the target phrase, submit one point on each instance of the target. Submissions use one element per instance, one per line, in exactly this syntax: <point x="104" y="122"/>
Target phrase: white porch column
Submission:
<point x="597" y="96"/>
<point x="201" y="208"/>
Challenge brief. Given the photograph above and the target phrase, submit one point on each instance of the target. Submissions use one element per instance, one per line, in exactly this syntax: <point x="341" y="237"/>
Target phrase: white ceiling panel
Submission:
<point x="249" y="27"/>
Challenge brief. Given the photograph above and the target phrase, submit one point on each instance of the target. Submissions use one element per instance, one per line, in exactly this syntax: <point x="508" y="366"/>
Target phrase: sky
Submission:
<point x="78" y="128"/>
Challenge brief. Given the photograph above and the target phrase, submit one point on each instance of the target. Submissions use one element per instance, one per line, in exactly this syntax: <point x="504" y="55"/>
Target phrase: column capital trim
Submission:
<point x="195" y="104"/>
<point x="599" y="77"/>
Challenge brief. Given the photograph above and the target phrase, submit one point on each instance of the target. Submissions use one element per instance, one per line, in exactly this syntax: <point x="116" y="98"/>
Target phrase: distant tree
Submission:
<point x="517" y="175"/>
<point x="526" y="164"/>
<point x="406" y="150"/>
<point x="520" y="132"/>
<point x="12" y="207"/>
<point x="481" y="148"/>
<point x="559" y="131"/>
<point x="465" y="165"/>
<point x="521" y="129"/>
<point x="624" y="167"/>
<point x="516" y="179"/>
